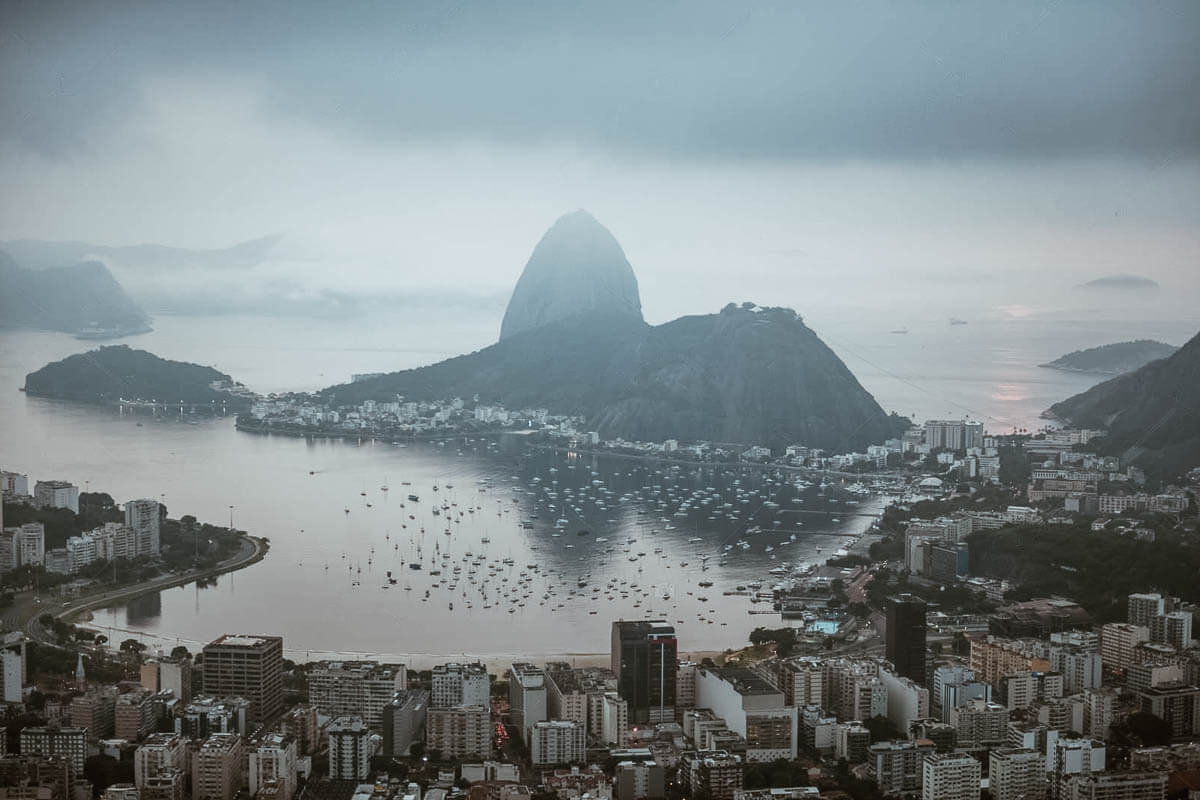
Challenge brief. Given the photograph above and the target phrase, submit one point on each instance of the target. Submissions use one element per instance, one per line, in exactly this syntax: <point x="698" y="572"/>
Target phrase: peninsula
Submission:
<point x="574" y="342"/>
<point x="1112" y="359"/>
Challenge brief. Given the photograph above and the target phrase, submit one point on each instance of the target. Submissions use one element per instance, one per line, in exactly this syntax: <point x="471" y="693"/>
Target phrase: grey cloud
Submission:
<point x="668" y="80"/>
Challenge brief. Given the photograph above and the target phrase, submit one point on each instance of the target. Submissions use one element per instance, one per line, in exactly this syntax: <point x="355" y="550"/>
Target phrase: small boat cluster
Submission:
<point x="603" y="535"/>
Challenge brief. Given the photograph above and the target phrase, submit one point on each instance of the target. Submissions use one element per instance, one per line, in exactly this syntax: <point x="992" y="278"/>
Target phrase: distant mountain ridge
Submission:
<point x="110" y="373"/>
<point x="748" y="374"/>
<point x="70" y="299"/>
<point x="1113" y="359"/>
<point x="39" y="254"/>
<point x="1151" y="415"/>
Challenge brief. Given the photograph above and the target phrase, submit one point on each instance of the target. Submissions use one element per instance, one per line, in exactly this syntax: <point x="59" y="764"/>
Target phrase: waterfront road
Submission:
<point x="27" y="608"/>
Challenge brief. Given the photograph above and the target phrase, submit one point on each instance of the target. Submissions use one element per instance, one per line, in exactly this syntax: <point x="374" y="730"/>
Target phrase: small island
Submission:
<point x="1113" y="359"/>
<point x="1122" y="282"/>
<point x="120" y="375"/>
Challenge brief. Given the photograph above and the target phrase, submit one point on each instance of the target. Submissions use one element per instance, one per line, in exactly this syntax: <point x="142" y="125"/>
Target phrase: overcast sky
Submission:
<point x="783" y="152"/>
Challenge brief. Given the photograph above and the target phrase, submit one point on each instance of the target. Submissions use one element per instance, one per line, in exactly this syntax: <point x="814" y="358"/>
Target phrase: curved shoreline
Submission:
<point x="258" y="550"/>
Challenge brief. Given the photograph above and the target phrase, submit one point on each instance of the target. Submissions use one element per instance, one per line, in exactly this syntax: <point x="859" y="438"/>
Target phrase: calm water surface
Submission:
<point x="335" y="533"/>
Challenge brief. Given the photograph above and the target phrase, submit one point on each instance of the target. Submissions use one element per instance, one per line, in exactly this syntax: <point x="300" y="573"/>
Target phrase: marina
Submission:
<point x="544" y="540"/>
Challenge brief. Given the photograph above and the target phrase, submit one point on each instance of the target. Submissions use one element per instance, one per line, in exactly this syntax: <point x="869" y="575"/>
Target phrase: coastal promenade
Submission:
<point x="27" y="609"/>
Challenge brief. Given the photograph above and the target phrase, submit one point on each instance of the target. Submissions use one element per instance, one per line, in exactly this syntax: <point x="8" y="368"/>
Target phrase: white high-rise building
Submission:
<point x="143" y="517"/>
<point x="980" y="723"/>
<point x="950" y="776"/>
<point x="349" y="749"/>
<point x="1174" y="629"/>
<point x="1016" y="773"/>
<point x="685" y="686"/>
<point x="753" y="708"/>
<point x="559" y="741"/>
<point x="274" y="760"/>
<point x="31" y="544"/>
<point x="614" y="720"/>
<point x="460" y="685"/>
<point x="1117" y="643"/>
<point x="802" y="681"/>
<point x="56" y="494"/>
<point x="159" y="752"/>
<point x="1141" y="609"/>
<point x="12" y="666"/>
<point x="953" y="434"/>
<point x="526" y="697"/>
<point x="9" y="549"/>
<point x="1081" y="669"/>
<point x="906" y="700"/>
<point x="355" y="688"/>
<point x="1075" y="757"/>
<point x="1099" y="712"/>
<point x="14" y="484"/>
<point x="460" y="731"/>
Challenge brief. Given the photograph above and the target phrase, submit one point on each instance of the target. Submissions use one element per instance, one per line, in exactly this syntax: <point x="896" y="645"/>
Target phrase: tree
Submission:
<point x="132" y="646"/>
<point x="104" y="771"/>
<point x="1143" y="729"/>
<point x="780" y="772"/>
<point x="881" y="729"/>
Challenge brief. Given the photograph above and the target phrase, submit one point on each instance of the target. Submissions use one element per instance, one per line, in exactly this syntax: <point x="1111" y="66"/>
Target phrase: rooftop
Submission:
<point x="365" y="668"/>
<point x="658" y="627"/>
<point x="745" y="681"/>
<point x="221" y="741"/>
<point x="347" y="724"/>
<point x="243" y="640"/>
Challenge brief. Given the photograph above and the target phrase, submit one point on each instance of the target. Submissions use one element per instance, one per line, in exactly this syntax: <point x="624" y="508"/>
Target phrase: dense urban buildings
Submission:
<point x="355" y="688"/>
<point x="1024" y="698"/>
<point x="753" y="708"/>
<point x="459" y="731"/>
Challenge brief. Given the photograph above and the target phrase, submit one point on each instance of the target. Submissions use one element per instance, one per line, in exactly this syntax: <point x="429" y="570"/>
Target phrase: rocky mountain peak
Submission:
<point x="578" y="267"/>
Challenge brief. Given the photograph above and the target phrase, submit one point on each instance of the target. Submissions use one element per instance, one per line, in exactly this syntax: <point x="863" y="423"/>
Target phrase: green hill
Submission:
<point x="111" y="373"/>
<point x="1152" y="415"/>
<point x="746" y="375"/>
